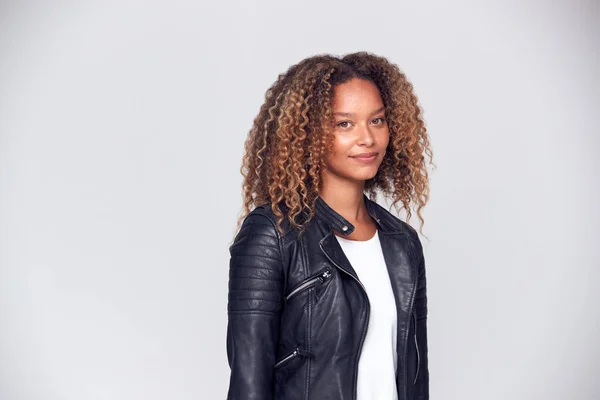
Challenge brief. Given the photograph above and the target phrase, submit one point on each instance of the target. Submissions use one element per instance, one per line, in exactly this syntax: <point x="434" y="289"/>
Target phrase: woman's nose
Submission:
<point x="365" y="135"/>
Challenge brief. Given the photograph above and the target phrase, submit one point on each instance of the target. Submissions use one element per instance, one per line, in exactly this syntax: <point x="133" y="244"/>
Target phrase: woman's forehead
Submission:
<point x="357" y="96"/>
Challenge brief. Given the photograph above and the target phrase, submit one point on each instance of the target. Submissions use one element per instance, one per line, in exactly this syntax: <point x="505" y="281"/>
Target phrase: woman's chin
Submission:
<point x="362" y="175"/>
<point x="356" y="174"/>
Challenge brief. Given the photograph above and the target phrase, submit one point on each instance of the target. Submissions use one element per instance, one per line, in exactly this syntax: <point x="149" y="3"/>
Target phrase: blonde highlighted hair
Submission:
<point x="292" y="134"/>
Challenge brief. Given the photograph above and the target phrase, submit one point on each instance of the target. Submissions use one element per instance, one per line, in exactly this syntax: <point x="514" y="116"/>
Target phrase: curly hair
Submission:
<point x="292" y="134"/>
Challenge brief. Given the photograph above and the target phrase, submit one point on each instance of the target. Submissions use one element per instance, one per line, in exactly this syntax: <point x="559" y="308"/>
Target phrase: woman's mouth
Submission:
<point x="365" y="158"/>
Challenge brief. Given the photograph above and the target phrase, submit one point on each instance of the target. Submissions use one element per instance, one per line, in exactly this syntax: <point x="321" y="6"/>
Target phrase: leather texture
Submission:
<point x="298" y="314"/>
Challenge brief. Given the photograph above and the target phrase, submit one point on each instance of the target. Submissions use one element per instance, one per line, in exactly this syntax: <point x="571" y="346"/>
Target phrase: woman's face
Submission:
<point x="360" y="130"/>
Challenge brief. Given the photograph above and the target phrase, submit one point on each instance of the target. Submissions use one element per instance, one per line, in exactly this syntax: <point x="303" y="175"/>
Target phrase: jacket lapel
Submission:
<point x="394" y="245"/>
<point x="336" y="222"/>
<point x="332" y="249"/>
<point x="400" y="268"/>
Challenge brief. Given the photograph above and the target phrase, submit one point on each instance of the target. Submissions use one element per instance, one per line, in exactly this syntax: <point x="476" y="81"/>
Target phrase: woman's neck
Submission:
<point x="346" y="200"/>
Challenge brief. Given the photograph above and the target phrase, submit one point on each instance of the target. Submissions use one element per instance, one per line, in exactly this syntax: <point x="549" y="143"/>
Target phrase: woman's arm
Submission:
<point x="254" y="304"/>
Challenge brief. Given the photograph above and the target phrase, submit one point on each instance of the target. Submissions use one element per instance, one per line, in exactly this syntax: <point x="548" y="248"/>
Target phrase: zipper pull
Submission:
<point x="414" y="317"/>
<point x="325" y="275"/>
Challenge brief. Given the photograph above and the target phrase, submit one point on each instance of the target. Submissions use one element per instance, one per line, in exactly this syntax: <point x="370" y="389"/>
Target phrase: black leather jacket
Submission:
<point x="298" y="314"/>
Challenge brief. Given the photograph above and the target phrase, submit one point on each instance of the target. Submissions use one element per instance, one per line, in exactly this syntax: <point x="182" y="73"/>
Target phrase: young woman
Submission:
<point x="327" y="289"/>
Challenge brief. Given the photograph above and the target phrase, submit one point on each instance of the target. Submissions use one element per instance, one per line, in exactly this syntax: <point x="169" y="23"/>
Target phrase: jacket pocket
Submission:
<point x="306" y="284"/>
<point x="414" y="318"/>
<point x="292" y="355"/>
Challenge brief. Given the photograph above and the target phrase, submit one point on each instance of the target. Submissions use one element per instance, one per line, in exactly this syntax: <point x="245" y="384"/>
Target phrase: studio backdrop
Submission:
<point x="122" y="126"/>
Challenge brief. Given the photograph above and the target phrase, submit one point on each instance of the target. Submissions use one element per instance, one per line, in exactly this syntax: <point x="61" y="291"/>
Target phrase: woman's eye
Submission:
<point x="344" y="124"/>
<point x="379" y="121"/>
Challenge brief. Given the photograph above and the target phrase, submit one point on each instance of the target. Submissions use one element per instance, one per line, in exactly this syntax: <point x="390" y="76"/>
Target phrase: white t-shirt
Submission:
<point x="378" y="360"/>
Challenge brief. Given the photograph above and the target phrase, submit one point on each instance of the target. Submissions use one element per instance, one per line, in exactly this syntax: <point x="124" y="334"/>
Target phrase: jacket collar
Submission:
<point x="388" y="225"/>
<point x="344" y="227"/>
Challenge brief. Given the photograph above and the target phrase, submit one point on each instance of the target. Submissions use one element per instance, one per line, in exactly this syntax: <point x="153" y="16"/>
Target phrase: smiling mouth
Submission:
<point x="366" y="160"/>
<point x="365" y="156"/>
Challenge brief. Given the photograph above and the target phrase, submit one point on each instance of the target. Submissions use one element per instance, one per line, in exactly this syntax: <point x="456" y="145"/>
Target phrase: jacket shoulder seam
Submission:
<point x="260" y="210"/>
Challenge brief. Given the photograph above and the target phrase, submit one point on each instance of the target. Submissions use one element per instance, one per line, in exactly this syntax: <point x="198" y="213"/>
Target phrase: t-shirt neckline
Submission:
<point x="360" y="241"/>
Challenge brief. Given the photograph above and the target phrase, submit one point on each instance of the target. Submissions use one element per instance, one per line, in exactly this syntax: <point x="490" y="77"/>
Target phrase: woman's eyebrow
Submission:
<point x="345" y="114"/>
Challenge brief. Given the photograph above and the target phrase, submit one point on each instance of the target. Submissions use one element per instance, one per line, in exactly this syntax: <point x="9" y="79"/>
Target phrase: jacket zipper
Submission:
<point x="322" y="277"/>
<point x="295" y="353"/>
<point x="362" y="339"/>
<point x="417" y="347"/>
<point x="412" y="307"/>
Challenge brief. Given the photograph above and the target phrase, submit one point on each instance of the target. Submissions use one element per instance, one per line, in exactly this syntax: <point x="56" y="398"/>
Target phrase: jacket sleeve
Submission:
<point x="253" y="308"/>
<point x="422" y="383"/>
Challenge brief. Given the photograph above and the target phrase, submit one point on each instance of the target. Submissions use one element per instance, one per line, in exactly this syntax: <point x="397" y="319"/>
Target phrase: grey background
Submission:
<point x="121" y="133"/>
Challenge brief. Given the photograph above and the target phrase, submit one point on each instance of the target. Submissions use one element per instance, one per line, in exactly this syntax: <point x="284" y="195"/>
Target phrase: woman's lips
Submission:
<point x="365" y="159"/>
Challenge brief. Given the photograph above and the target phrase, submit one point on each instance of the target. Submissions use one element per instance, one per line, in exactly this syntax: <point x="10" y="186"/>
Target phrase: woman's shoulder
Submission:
<point x="393" y="222"/>
<point x="264" y="212"/>
<point x="258" y="228"/>
<point x="261" y="212"/>
<point x="288" y="231"/>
